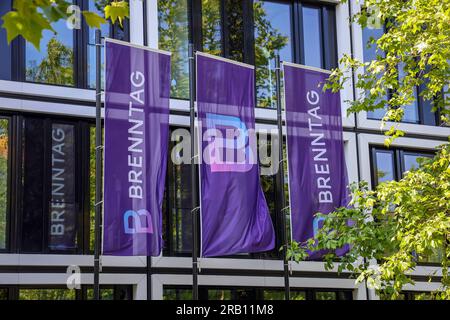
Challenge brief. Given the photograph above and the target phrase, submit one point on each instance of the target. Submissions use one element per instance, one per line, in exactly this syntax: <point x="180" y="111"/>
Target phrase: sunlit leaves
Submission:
<point x="117" y="10"/>
<point x="93" y="20"/>
<point x="396" y="225"/>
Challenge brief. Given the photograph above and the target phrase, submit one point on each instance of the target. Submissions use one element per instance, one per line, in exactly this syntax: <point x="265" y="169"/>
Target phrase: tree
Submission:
<point x="399" y="223"/>
<point x="29" y="18"/>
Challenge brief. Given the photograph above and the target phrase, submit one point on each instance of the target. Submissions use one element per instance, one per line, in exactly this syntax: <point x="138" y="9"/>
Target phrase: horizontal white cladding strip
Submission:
<point x="61" y="279"/>
<point x="85" y="95"/>
<point x="411" y="128"/>
<point x="246" y="281"/>
<point x="66" y="260"/>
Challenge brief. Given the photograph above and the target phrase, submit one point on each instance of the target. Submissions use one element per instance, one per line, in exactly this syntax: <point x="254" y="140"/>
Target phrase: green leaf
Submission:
<point x="117" y="10"/>
<point x="93" y="20"/>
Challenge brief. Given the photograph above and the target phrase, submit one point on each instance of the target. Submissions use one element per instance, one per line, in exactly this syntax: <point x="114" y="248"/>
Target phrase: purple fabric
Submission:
<point x="136" y="140"/>
<point x="234" y="213"/>
<point x="317" y="172"/>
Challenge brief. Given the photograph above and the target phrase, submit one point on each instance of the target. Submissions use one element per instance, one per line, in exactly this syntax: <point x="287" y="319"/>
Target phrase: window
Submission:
<point x="66" y="58"/>
<point x="54" y="64"/>
<point x="118" y="292"/>
<point x="419" y="110"/>
<point x="47" y="294"/>
<point x="4" y="172"/>
<point x="247" y="31"/>
<point x="177" y="221"/>
<point x="252" y="293"/>
<point x="173" y="29"/>
<point x="273" y="35"/>
<point x="5" y="49"/>
<point x="4" y="294"/>
<point x="391" y="164"/>
<point x="54" y="217"/>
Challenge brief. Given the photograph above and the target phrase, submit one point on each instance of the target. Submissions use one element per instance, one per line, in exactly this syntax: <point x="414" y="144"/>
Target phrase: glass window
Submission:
<point x="409" y="160"/>
<point x="4" y="152"/>
<point x="118" y="292"/>
<point x="312" y="36"/>
<point x="177" y="294"/>
<point x="97" y="7"/>
<point x="3" y="294"/>
<point x="178" y="219"/>
<point x="219" y="294"/>
<point x="212" y="27"/>
<point x="5" y="61"/>
<point x="370" y="52"/>
<point x="384" y="166"/>
<point x="272" y="36"/>
<point x="411" y="111"/>
<point x="279" y="295"/>
<point x="47" y="294"/>
<point x="323" y="295"/>
<point x="234" y="24"/>
<point x="54" y="63"/>
<point x="173" y="28"/>
<point x="51" y="212"/>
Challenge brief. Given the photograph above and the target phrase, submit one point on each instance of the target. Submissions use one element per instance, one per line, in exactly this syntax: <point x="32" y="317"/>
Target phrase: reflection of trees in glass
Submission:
<point x="3" y="294"/>
<point x="235" y="25"/>
<point x="55" y="68"/>
<point x="381" y="174"/>
<point x="177" y="294"/>
<point x="3" y="179"/>
<point x="91" y="188"/>
<point x="46" y="294"/>
<point x="211" y="27"/>
<point x="268" y="41"/>
<point x="173" y="36"/>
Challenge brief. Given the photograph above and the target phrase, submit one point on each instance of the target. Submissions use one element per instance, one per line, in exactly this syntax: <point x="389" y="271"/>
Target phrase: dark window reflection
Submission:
<point x="4" y="152"/>
<point x="51" y="211"/>
<point x="252" y="293"/>
<point x="3" y="294"/>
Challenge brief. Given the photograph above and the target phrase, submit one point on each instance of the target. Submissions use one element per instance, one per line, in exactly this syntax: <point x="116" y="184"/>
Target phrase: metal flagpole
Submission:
<point x="280" y="177"/>
<point x="193" y="174"/>
<point x="98" y="166"/>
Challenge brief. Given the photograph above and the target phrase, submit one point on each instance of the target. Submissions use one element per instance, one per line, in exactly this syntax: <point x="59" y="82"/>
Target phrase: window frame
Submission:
<point x="398" y="160"/>
<point x="80" y="52"/>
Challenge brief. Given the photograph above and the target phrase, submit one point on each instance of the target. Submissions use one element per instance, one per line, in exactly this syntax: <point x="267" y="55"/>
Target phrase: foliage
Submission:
<point x="29" y="18"/>
<point x="414" y="51"/>
<point x="397" y="225"/>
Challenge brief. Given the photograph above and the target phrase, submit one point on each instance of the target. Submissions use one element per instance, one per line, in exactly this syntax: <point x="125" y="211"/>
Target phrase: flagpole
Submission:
<point x="193" y="174"/>
<point x="98" y="165"/>
<point x="281" y="176"/>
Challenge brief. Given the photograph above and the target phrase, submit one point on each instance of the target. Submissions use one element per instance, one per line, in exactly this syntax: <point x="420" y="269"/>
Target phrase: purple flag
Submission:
<point x="317" y="172"/>
<point x="234" y="213"/>
<point x="136" y="140"/>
